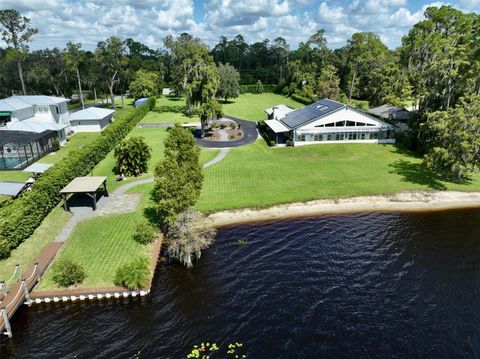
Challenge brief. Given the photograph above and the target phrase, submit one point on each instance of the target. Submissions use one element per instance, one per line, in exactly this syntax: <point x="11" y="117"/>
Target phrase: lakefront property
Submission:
<point x="312" y="196"/>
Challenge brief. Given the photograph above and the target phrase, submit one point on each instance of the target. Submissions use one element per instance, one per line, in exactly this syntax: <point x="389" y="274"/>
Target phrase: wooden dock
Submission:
<point x="20" y="292"/>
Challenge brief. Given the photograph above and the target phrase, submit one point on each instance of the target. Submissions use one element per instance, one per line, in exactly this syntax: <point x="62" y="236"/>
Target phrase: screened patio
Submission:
<point x="18" y="149"/>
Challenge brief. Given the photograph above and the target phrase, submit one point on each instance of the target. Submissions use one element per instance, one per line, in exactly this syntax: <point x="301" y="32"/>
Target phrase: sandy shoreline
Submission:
<point x="399" y="202"/>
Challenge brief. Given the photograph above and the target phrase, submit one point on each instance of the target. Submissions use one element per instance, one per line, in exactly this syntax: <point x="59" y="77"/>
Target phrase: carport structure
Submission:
<point x="88" y="185"/>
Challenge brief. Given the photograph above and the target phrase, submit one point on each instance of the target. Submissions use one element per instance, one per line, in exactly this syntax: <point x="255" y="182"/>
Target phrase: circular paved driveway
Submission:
<point x="249" y="131"/>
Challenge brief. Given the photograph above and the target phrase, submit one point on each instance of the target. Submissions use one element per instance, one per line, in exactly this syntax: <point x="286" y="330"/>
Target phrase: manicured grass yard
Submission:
<point x="101" y="245"/>
<point x="154" y="138"/>
<point x="169" y="110"/>
<point x="259" y="176"/>
<point x="247" y="106"/>
<point x="252" y="106"/>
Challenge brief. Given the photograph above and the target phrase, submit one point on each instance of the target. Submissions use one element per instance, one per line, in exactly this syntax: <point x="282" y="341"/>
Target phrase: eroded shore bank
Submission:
<point x="399" y="202"/>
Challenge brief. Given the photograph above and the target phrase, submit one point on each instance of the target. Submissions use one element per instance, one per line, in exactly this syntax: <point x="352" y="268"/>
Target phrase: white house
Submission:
<point x="35" y="114"/>
<point x="30" y="124"/>
<point x="91" y="119"/>
<point x="326" y="121"/>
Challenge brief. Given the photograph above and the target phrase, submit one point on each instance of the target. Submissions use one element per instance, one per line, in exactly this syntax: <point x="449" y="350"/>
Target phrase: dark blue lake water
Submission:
<point x="353" y="286"/>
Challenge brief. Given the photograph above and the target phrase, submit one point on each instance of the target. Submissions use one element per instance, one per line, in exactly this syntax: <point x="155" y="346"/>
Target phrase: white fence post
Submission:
<point x="8" y="328"/>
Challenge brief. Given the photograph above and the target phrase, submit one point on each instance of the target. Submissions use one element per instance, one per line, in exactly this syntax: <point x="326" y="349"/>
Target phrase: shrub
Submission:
<point x="20" y="218"/>
<point x="252" y="88"/>
<point x="4" y="249"/>
<point x="67" y="273"/>
<point x="289" y="143"/>
<point x="133" y="275"/>
<point x="132" y="156"/>
<point x="55" y="145"/>
<point x="259" y="87"/>
<point x="188" y="236"/>
<point x="144" y="232"/>
<point x="301" y="99"/>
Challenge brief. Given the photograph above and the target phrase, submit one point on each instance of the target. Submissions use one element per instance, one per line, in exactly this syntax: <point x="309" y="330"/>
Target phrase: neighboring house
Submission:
<point x="35" y="114"/>
<point x="91" y="119"/>
<point x="28" y="127"/>
<point x="30" y="124"/>
<point x="390" y="112"/>
<point x="326" y="121"/>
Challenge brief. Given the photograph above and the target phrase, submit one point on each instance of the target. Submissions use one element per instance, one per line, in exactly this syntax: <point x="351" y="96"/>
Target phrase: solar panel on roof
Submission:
<point x="311" y="112"/>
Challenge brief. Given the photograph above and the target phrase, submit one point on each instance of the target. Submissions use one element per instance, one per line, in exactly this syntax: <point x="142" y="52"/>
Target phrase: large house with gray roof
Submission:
<point x="35" y="114"/>
<point x="30" y="124"/>
<point x="326" y="121"/>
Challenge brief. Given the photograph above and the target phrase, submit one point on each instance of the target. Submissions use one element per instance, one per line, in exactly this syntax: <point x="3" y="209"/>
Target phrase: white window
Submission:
<point x="42" y="109"/>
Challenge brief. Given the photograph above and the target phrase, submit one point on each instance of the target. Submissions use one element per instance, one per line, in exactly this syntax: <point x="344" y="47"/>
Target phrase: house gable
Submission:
<point x="346" y="117"/>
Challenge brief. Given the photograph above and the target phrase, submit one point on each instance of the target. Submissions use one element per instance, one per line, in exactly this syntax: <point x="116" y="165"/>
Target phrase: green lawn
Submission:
<point x="252" y="106"/>
<point x="154" y="138"/>
<point x="101" y="245"/>
<point x="169" y="110"/>
<point x="247" y="106"/>
<point x="259" y="176"/>
<point x="251" y="176"/>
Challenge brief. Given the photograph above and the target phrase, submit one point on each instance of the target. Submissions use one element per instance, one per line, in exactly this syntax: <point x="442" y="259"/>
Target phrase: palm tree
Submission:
<point x="132" y="156"/>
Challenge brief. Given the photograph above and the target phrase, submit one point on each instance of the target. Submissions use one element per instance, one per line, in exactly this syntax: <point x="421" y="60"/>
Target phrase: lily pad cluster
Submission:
<point x="205" y="350"/>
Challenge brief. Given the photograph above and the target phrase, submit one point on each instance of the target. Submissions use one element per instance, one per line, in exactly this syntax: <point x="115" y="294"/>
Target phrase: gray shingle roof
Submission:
<point x="311" y="112"/>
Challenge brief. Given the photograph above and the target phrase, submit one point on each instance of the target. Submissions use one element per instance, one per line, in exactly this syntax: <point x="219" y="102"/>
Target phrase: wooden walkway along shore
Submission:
<point x="20" y="292"/>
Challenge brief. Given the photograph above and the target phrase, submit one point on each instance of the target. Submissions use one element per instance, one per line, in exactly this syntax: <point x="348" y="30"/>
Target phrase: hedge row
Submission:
<point x="20" y="218"/>
<point x="301" y="99"/>
<point x="253" y="88"/>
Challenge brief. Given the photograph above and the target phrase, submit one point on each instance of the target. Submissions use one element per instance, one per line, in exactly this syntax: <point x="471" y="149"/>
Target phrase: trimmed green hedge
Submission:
<point x="301" y="99"/>
<point x="20" y="218"/>
<point x="253" y="88"/>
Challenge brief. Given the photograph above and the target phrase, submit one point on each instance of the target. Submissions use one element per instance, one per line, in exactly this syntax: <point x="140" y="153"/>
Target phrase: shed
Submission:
<point x="91" y="119"/>
<point x="166" y="91"/>
<point x="140" y="102"/>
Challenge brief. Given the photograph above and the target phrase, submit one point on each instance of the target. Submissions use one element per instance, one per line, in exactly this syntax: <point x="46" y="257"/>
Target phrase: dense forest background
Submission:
<point x="438" y="62"/>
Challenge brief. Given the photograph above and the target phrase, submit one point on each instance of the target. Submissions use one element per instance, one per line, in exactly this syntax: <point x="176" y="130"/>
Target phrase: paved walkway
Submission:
<point x="221" y="155"/>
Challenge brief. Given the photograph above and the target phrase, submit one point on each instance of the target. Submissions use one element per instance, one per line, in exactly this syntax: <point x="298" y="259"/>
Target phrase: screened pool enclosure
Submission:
<point x="18" y="149"/>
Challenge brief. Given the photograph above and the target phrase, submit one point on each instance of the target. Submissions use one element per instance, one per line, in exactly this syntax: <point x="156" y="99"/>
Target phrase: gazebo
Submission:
<point x="87" y="185"/>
